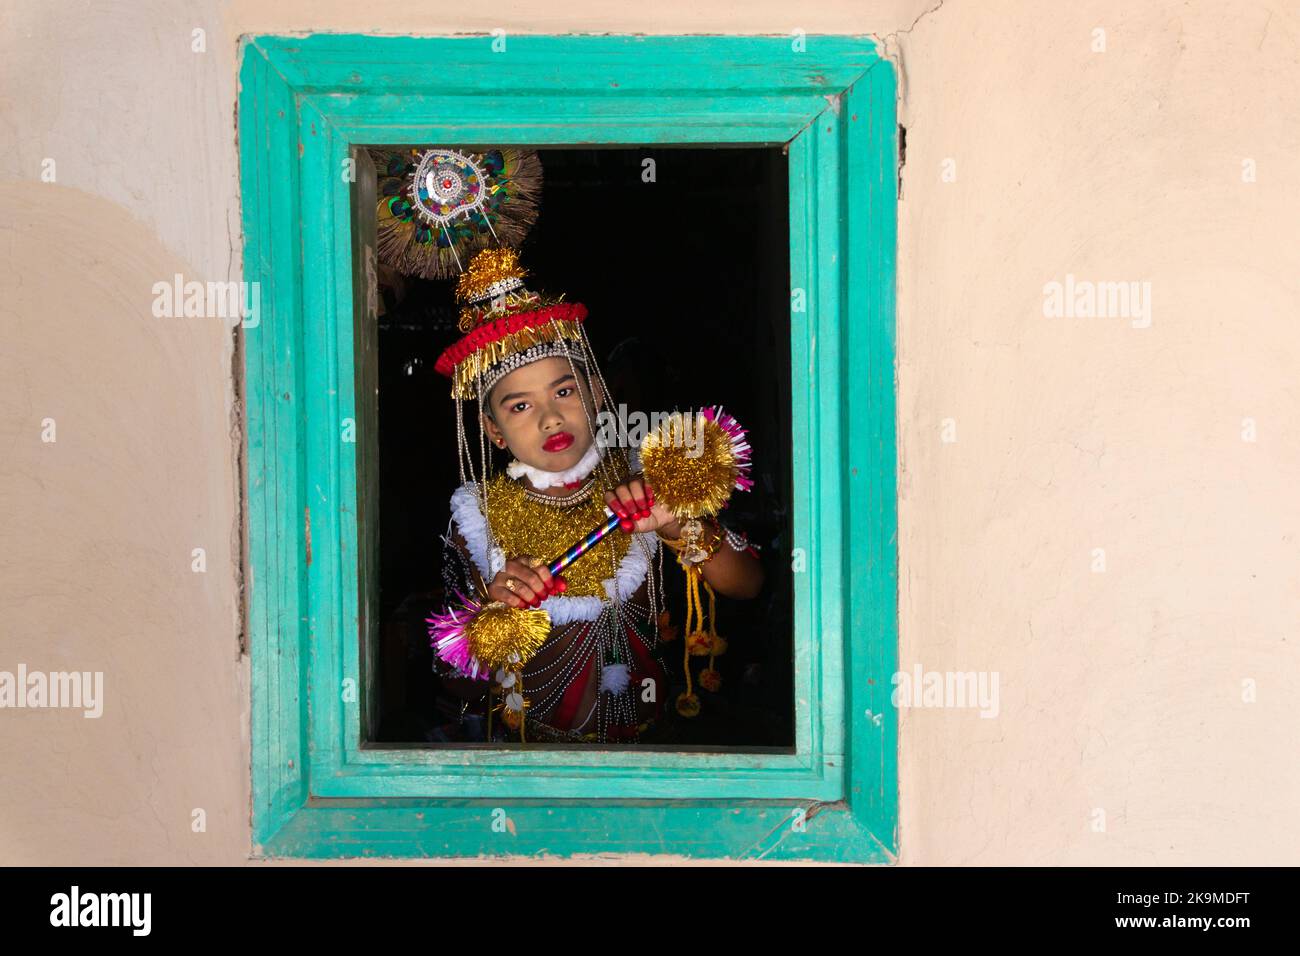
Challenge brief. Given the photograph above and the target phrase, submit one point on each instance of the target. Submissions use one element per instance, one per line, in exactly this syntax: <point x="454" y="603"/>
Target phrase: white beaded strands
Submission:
<point x="623" y="704"/>
<point x="605" y="628"/>
<point x="607" y="631"/>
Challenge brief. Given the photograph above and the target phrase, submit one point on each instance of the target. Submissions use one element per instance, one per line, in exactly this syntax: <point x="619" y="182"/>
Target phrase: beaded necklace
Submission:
<point x="557" y="501"/>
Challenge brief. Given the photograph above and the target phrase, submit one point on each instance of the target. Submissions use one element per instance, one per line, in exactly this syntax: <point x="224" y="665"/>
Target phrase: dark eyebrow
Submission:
<point x="505" y="398"/>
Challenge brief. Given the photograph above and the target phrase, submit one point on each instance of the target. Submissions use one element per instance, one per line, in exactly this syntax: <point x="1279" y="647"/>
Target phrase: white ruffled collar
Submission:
<point x="542" y="480"/>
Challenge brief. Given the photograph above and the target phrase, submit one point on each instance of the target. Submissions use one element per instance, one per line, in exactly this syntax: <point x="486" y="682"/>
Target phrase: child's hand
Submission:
<point x="634" y="502"/>
<point x="531" y="584"/>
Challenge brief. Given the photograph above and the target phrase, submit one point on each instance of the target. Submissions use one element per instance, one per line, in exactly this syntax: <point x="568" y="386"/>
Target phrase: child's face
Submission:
<point x="539" y="413"/>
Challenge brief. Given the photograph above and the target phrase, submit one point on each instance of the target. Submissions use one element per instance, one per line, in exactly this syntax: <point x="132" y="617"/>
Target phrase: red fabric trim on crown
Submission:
<point x="500" y="328"/>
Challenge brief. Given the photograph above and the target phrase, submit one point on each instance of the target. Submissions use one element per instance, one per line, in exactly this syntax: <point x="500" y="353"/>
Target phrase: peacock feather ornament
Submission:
<point x="439" y="206"/>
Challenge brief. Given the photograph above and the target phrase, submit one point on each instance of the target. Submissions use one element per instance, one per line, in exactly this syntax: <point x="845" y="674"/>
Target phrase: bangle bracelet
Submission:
<point x="674" y="543"/>
<point x="699" y="542"/>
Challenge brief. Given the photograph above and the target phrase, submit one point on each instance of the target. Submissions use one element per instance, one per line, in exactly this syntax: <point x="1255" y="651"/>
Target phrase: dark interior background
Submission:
<point x="687" y="283"/>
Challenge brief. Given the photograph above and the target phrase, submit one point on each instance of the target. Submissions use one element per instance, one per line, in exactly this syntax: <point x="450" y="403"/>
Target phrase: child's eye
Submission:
<point x="518" y="407"/>
<point x="564" y="392"/>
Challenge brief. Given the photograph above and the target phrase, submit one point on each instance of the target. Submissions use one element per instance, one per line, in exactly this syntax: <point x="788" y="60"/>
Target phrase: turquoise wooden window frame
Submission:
<point x="305" y="104"/>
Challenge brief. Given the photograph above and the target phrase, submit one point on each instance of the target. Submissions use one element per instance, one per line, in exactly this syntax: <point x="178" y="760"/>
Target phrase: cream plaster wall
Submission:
<point x="1120" y="691"/>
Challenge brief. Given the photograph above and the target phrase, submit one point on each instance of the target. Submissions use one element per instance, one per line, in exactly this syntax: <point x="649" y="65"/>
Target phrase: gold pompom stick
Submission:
<point x="501" y="636"/>
<point x="695" y="461"/>
<point x="477" y="638"/>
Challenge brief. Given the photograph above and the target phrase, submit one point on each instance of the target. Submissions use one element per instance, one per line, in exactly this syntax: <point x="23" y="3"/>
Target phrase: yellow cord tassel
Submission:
<point x="688" y="704"/>
<point x="713" y="625"/>
<point x="692" y="610"/>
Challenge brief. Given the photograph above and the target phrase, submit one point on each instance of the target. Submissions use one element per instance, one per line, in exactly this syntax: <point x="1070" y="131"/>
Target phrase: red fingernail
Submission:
<point x="627" y="524"/>
<point x="561" y="585"/>
<point x="641" y="505"/>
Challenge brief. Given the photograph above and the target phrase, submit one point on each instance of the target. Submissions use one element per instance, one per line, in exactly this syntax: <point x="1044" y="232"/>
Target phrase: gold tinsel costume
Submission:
<point x="598" y="675"/>
<point x="593" y="671"/>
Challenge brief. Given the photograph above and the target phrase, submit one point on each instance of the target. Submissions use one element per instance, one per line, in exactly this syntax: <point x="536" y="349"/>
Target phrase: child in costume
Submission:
<point x="528" y="374"/>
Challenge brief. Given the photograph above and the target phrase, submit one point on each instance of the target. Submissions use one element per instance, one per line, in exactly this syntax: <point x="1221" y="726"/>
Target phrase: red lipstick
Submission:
<point x="558" y="442"/>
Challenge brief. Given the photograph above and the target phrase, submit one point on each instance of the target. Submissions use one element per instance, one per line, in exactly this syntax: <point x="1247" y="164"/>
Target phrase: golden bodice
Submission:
<point x="523" y="526"/>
